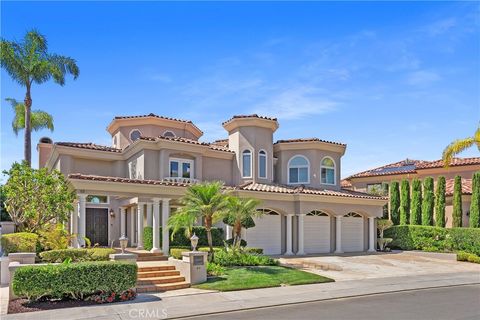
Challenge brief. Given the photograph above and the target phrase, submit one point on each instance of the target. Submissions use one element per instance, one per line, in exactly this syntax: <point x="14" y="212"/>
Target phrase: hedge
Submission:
<point x="177" y="252"/>
<point x="19" y="242"/>
<point x="74" y="280"/>
<point x="470" y="257"/>
<point x="77" y="255"/>
<point x="394" y="203"/>
<point x="434" y="238"/>
<point x="180" y="240"/>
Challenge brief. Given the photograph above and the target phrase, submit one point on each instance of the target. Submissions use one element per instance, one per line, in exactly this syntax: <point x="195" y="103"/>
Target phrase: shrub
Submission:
<point x="457" y="202"/>
<point x="55" y="238"/>
<point x="238" y="258"/>
<point x="405" y="202"/>
<point x="470" y="257"/>
<point x="177" y="251"/>
<point x="465" y="239"/>
<point x="180" y="240"/>
<point x="427" y="203"/>
<point x="440" y="203"/>
<point x="75" y="280"/>
<point x="474" y="221"/>
<point x="19" y="242"/>
<point x="77" y="255"/>
<point x="243" y="243"/>
<point x="394" y="202"/>
<point x="214" y="269"/>
<point x="104" y="297"/>
<point x="416" y="205"/>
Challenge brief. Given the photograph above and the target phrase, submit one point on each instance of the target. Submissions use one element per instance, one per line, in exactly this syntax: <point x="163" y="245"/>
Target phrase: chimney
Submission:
<point x="44" y="148"/>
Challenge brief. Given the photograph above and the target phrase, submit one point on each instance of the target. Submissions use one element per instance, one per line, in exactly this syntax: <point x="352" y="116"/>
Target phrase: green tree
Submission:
<point x="460" y="145"/>
<point x="474" y="221"/>
<point x="28" y="62"/>
<point x="38" y="119"/>
<point x="440" y="202"/>
<point x="238" y="211"/>
<point x="3" y="212"/>
<point x="206" y="201"/>
<point x="428" y="202"/>
<point x="37" y="199"/>
<point x="394" y="202"/>
<point x="416" y="204"/>
<point x="457" y="202"/>
<point x="405" y="202"/>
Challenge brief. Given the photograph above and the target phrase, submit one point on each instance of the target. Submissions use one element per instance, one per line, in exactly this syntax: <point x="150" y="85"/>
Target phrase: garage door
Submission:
<point x="267" y="234"/>
<point x="352" y="232"/>
<point x="316" y="232"/>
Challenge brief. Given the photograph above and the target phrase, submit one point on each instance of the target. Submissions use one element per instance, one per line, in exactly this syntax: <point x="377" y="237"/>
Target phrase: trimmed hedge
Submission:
<point x="19" y="242"/>
<point x="77" y="255"/>
<point x="434" y="238"/>
<point x="177" y="252"/>
<point x="180" y="240"/>
<point x="74" y="280"/>
<point x="470" y="257"/>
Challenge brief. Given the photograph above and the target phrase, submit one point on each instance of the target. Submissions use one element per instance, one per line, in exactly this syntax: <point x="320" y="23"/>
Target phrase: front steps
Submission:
<point x="159" y="278"/>
<point x="144" y="255"/>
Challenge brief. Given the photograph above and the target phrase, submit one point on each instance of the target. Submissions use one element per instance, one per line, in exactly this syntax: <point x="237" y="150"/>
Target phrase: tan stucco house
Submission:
<point x="137" y="181"/>
<point x="373" y="179"/>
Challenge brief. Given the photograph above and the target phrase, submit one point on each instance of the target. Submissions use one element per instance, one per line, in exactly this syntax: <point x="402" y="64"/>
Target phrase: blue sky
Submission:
<point x="392" y="80"/>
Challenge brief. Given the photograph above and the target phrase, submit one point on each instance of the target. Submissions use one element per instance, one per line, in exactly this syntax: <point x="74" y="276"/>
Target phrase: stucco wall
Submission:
<point x="135" y="165"/>
<point x="95" y="167"/>
<point x="218" y="169"/>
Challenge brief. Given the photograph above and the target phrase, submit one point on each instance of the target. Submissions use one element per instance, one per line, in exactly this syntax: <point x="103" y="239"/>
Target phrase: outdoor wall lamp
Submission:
<point x="112" y="213"/>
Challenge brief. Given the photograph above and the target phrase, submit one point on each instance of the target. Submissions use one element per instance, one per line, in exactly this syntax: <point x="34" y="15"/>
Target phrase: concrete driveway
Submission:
<point x="381" y="265"/>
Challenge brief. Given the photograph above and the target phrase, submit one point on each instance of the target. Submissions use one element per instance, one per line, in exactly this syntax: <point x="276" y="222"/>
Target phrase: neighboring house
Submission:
<point x="153" y="159"/>
<point x="371" y="181"/>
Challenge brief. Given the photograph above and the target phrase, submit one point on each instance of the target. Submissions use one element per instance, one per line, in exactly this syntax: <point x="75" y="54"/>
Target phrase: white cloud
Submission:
<point x="422" y="77"/>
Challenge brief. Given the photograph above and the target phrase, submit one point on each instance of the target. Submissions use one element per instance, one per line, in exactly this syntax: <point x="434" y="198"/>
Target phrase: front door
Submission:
<point x="97" y="226"/>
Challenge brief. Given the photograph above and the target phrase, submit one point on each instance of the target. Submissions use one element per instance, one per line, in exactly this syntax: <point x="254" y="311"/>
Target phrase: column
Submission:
<point x="228" y="232"/>
<point x="133" y="239"/>
<point x="338" y="234"/>
<point x="82" y="216"/>
<point x="156" y="226"/>
<point x="289" y="235"/>
<point x="74" y="226"/>
<point x="301" y="218"/>
<point x="149" y="214"/>
<point x="165" y="233"/>
<point x="123" y="227"/>
<point x="372" y="235"/>
<point x="140" y="206"/>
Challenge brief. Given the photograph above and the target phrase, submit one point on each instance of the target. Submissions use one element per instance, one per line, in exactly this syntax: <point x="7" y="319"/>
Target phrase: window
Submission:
<point x="353" y="215"/>
<point x="115" y="141"/>
<point x="298" y="170"/>
<point x="169" y="134"/>
<point x="262" y="164"/>
<point x="327" y="171"/>
<point x="317" y="213"/>
<point x="246" y="164"/>
<point x="181" y="168"/>
<point x="135" y="135"/>
<point x="96" y="199"/>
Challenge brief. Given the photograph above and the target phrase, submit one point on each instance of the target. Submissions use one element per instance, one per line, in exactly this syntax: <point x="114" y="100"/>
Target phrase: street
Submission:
<point x="459" y="302"/>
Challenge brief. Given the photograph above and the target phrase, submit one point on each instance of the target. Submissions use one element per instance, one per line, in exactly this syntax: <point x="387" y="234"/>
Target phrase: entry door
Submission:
<point x="97" y="226"/>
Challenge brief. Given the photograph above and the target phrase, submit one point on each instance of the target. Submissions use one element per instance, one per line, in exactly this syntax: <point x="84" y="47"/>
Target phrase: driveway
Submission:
<point x="381" y="265"/>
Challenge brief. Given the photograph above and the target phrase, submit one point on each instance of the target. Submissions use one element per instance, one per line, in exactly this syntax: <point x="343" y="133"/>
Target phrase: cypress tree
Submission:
<point x="457" y="202"/>
<point x="405" y="202"/>
<point x="475" y="204"/>
<point x="416" y="205"/>
<point x="394" y="202"/>
<point x="428" y="202"/>
<point x="440" y="203"/>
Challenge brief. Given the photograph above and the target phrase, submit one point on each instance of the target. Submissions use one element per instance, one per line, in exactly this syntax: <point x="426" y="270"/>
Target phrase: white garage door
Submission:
<point x="352" y="232"/>
<point x="267" y="234"/>
<point x="316" y="232"/>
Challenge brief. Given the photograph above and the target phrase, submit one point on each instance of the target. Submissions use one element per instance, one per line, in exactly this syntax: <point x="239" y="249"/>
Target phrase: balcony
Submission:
<point x="180" y="180"/>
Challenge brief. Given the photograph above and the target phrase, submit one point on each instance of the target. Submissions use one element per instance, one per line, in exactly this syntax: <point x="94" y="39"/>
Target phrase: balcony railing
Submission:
<point x="180" y="180"/>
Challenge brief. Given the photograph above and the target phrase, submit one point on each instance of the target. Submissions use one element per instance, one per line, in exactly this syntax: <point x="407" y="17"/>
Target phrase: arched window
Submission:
<point x="246" y="164"/>
<point x="317" y="213"/>
<point x="298" y="170"/>
<point x="135" y="134"/>
<point x="262" y="164"/>
<point x="353" y="215"/>
<point x="169" y="134"/>
<point x="327" y="171"/>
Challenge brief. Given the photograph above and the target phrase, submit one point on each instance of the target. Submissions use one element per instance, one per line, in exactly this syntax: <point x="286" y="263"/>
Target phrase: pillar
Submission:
<point x="372" y="235"/>
<point x="140" y="206"/>
<point x="133" y="238"/>
<point x="74" y="226"/>
<point x="149" y="215"/>
<point x="156" y="226"/>
<point x="165" y="232"/>
<point x="289" y="235"/>
<point x="123" y="227"/>
<point x="301" y="218"/>
<point x="82" y="216"/>
<point x="338" y="234"/>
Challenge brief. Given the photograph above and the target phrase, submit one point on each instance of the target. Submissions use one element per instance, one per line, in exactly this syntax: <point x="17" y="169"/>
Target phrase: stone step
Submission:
<point x="152" y="258"/>
<point x="156" y="268"/>
<point x="162" y="287"/>
<point x="152" y="274"/>
<point x="160" y="280"/>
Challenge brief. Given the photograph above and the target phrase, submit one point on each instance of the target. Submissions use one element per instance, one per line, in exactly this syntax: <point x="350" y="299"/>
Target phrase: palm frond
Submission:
<point x="38" y="119"/>
<point x="41" y="120"/>
<point x="455" y="148"/>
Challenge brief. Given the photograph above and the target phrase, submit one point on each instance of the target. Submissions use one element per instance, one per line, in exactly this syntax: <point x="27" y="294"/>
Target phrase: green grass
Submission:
<point x="241" y="278"/>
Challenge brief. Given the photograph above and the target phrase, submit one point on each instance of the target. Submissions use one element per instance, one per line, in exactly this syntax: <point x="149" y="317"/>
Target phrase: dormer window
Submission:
<point x="169" y="134"/>
<point x="298" y="170"/>
<point x="246" y="164"/>
<point x="327" y="171"/>
<point x="262" y="164"/>
<point x="135" y="134"/>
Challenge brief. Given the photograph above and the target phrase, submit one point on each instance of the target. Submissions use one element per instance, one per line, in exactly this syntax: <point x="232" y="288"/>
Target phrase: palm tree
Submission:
<point x="29" y="62"/>
<point x="460" y="145"/>
<point x="238" y="211"/>
<point x="38" y="119"/>
<point x="206" y="201"/>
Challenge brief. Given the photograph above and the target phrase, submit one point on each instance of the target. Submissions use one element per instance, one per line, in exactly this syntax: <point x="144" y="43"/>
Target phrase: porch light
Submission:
<point x="123" y="243"/>
<point x="194" y="242"/>
<point x="112" y="213"/>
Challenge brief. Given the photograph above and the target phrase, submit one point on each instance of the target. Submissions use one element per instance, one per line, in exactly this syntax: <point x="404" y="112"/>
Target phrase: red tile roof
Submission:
<point x="249" y="116"/>
<point x="308" y="140"/>
<point x="88" y="145"/>
<point x="78" y="176"/>
<point x="185" y="140"/>
<point x="455" y="162"/>
<point x="346" y="184"/>
<point x="466" y="186"/>
<point x="153" y="116"/>
<point x="401" y="167"/>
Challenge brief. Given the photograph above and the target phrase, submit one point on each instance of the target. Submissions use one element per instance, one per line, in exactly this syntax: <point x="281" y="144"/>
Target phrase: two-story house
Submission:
<point x="138" y="180"/>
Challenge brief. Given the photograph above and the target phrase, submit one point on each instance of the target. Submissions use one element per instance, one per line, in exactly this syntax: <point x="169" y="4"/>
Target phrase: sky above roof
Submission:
<point x="391" y="80"/>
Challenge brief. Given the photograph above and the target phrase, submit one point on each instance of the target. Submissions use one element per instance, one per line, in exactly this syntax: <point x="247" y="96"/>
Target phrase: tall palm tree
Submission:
<point x="460" y="145"/>
<point x="38" y="120"/>
<point x="206" y="201"/>
<point x="28" y="62"/>
<point x="238" y="211"/>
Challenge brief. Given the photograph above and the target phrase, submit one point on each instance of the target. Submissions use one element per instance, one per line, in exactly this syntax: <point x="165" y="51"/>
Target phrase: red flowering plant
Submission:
<point x="107" y="297"/>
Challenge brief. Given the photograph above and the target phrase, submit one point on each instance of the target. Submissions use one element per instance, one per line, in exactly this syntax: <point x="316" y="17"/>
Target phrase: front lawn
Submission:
<point x="241" y="278"/>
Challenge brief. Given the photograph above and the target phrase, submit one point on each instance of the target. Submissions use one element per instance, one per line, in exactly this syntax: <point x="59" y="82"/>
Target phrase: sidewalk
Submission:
<point x="163" y="306"/>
